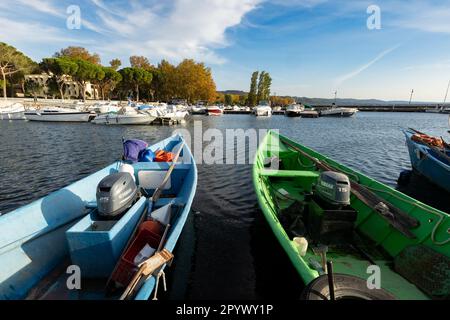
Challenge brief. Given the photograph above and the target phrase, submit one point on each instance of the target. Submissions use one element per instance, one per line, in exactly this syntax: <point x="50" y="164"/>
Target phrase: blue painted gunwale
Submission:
<point x="425" y="161"/>
<point x="33" y="237"/>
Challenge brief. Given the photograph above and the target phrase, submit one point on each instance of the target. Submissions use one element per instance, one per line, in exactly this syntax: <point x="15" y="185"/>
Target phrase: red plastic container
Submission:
<point x="149" y="232"/>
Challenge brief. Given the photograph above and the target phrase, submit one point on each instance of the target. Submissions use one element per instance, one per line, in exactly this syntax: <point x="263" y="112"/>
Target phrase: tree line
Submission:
<point x="259" y="88"/>
<point x="188" y="80"/>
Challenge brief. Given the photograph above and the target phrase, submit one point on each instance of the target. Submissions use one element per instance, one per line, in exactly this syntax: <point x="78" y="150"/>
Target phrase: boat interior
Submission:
<point x="413" y="263"/>
<point x="40" y="259"/>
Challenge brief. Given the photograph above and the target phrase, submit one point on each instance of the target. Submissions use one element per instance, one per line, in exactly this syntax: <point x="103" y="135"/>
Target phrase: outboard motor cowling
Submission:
<point x="115" y="194"/>
<point x="334" y="188"/>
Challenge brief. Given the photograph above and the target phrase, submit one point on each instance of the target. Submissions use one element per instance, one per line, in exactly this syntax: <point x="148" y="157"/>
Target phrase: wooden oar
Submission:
<point x="398" y="219"/>
<point x="144" y="273"/>
<point x="156" y="195"/>
<point x="146" y="268"/>
<point x="159" y="190"/>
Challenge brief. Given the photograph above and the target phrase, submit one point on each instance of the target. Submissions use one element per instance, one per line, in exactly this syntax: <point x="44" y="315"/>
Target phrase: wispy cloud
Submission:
<point x="356" y="72"/>
<point x="427" y="16"/>
<point x="172" y="29"/>
<point x="429" y="66"/>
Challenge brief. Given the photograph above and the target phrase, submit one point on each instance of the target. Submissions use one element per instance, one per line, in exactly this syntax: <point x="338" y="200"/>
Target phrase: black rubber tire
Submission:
<point x="346" y="287"/>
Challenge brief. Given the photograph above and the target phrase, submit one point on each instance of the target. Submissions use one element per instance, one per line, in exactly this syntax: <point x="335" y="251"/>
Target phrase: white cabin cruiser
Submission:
<point x="338" y="112"/>
<point x="126" y="116"/>
<point x="15" y="111"/>
<point x="294" y="110"/>
<point x="263" y="109"/>
<point x="59" y="115"/>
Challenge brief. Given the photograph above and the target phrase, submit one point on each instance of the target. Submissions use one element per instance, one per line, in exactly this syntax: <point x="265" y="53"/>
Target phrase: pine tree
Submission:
<point x="261" y="87"/>
<point x="253" y="87"/>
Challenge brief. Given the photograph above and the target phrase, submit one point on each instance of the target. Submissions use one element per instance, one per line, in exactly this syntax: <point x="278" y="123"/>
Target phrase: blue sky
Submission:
<point x="310" y="47"/>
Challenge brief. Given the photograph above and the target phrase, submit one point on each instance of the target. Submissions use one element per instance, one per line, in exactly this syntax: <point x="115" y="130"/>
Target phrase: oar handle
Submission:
<point x="158" y="191"/>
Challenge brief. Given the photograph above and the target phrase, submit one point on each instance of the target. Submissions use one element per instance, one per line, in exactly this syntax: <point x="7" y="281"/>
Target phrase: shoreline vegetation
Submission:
<point x="74" y="73"/>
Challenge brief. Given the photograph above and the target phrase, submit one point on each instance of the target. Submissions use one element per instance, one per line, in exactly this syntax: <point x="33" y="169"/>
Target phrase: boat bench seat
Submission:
<point x="289" y="173"/>
<point x="165" y="201"/>
<point x="147" y="166"/>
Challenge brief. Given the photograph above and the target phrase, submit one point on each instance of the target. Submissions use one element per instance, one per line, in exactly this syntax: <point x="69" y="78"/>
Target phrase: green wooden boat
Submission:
<point x="382" y="244"/>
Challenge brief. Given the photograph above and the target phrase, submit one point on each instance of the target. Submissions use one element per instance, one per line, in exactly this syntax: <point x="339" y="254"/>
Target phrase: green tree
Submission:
<point x="134" y="78"/>
<point x="78" y="53"/>
<point x="87" y="72"/>
<point x="109" y="82"/>
<point x="115" y="64"/>
<point x="261" y="87"/>
<point x="228" y="100"/>
<point x="267" y="85"/>
<point x="13" y="62"/>
<point x="252" y="96"/>
<point x="243" y="100"/>
<point x="33" y="87"/>
<point x="59" y="69"/>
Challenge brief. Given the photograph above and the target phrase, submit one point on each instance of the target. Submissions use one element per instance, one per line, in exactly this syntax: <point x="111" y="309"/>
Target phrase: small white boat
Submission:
<point x="263" y="109"/>
<point x="126" y="116"/>
<point x="15" y="111"/>
<point x="175" y="113"/>
<point x="338" y="112"/>
<point x="294" y="110"/>
<point x="199" y="108"/>
<point x="214" y="111"/>
<point x="59" y="115"/>
<point x="105" y="107"/>
<point x="236" y="108"/>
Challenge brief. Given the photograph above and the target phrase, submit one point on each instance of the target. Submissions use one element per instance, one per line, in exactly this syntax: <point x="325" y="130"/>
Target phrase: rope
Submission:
<point x="163" y="275"/>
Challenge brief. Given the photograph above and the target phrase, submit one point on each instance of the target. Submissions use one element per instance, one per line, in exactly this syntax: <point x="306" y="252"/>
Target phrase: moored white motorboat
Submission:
<point x="125" y="116"/>
<point x="15" y="111"/>
<point x="154" y="110"/>
<point x="198" y="109"/>
<point x="175" y="114"/>
<point x="214" y="111"/>
<point x="338" y="112"/>
<point x="294" y="110"/>
<point x="59" y="115"/>
<point x="263" y="109"/>
<point x="104" y="107"/>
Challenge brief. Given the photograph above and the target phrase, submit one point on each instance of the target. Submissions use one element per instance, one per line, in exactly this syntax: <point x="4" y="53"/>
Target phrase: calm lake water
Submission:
<point x="226" y="251"/>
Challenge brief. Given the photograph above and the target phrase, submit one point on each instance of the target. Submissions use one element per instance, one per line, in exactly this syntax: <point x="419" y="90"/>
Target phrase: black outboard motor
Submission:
<point x="115" y="194"/>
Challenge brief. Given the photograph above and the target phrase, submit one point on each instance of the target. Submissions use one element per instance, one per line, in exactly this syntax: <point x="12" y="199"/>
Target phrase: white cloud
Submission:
<point x="175" y="30"/>
<point x="360" y="69"/>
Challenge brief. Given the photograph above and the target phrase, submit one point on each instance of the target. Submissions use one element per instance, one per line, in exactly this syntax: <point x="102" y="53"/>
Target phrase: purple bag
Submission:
<point x="132" y="150"/>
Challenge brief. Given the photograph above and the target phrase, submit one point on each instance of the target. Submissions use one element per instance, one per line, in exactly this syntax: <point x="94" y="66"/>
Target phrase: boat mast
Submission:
<point x="335" y="97"/>
<point x="446" y="94"/>
<point x="410" y="98"/>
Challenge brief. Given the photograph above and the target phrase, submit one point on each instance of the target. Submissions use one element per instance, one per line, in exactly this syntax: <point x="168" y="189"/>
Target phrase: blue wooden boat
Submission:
<point x="40" y="241"/>
<point x="430" y="162"/>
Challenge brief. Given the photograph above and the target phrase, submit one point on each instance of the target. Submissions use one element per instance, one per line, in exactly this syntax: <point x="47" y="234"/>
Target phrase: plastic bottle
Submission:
<point x="301" y="245"/>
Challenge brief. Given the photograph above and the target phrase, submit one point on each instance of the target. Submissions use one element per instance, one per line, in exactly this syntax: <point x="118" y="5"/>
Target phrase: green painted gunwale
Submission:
<point x="369" y="223"/>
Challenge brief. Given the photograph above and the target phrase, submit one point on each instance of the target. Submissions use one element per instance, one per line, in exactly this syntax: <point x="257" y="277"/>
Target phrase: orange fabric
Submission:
<point x="163" y="156"/>
<point x="433" y="141"/>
